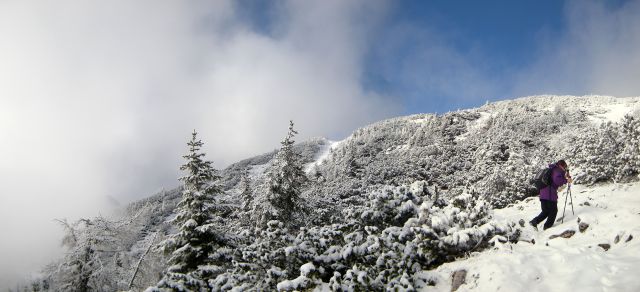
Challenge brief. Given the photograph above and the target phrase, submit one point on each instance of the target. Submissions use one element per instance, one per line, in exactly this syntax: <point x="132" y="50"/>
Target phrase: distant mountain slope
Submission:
<point x="425" y="181"/>
<point x="493" y="149"/>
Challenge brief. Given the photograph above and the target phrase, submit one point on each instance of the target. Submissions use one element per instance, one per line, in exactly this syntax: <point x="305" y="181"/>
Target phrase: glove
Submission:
<point x="561" y="188"/>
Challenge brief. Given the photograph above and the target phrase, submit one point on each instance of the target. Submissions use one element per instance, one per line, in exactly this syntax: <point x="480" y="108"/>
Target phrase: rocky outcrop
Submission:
<point x="458" y="278"/>
<point x="583" y="226"/>
<point x="605" y="246"/>
<point x="565" y="234"/>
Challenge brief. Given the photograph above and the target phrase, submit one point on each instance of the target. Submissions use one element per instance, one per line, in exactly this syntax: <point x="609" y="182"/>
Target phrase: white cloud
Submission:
<point x="598" y="53"/>
<point x="98" y="99"/>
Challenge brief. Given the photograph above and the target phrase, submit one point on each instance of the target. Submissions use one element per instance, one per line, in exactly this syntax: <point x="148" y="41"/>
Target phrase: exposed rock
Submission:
<point x="586" y="204"/>
<point x="583" y="226"/>
<point x="605" y="246"/>
<point x="629" y="238"/>
<point x="578" y="220"/>
<point x="521" y="222"/>
<point x="617" y="239"/>
<point x="565" y="234"/>
<point x="458" y="279"/>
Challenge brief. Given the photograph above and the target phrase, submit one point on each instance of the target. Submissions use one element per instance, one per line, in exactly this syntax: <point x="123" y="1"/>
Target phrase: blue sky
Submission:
<point x="496" y="36"/>
<point x="483" y="46"/>
<point x="98" y="98"/>
<point x="495" y="39"/>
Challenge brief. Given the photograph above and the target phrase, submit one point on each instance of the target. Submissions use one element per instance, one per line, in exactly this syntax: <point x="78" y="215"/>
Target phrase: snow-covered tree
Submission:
<point x="596" y="154"/>
<point x="394" y="199"/>
<point x="285" y="180"/>
<point x="629" y="156"/>
<point x="197" y="237"/>
<point x="87" y="266"/>
<point x="246" y="193"/>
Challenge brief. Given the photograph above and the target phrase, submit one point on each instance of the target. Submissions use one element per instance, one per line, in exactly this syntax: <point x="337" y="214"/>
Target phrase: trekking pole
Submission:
<point x="567" y="194"/>
<point x="571" y="197"/>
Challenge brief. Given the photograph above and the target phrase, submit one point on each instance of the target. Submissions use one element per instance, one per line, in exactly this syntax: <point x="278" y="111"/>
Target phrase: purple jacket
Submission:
<point x="557" y="179"/>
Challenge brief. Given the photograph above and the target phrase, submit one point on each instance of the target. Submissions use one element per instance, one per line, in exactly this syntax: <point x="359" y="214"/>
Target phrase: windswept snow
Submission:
<point x="482" y="121"/>
<point x="258" y="170"/>
<point x="323" y="154"/>
<point x="476" y="125"/>
<point x="614" y="112"/>
<point x="574" y="264"/>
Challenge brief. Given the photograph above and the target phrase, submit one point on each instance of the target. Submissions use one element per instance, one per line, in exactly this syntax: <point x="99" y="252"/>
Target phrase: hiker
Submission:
<point x="549" y="195"/>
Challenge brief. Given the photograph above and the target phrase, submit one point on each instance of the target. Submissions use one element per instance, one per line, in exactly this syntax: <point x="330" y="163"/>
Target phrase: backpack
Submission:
<point x="542" y="178"/>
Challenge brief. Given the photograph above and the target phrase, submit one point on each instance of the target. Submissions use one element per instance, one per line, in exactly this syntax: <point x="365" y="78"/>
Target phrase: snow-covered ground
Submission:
<point x="577" y="263"/>
<point x="614" y="112"/>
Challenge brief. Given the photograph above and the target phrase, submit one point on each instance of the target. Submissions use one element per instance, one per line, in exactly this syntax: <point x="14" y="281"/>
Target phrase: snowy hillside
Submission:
<point x="603" y="257"/>
<point x="398" y="204"/>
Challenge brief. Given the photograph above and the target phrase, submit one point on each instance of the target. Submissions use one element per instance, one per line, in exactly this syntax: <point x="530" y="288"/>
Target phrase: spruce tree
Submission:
<point x="285" y="180"/>
<point x="246" y="194"/>
<point x="197" y="237"/>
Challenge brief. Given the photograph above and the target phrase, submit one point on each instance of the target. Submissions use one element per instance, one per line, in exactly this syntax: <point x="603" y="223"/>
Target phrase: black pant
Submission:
<point x="549" y="211"/>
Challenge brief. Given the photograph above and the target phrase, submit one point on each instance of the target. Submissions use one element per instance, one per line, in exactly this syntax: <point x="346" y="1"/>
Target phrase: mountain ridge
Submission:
<point x="409" y="172"/>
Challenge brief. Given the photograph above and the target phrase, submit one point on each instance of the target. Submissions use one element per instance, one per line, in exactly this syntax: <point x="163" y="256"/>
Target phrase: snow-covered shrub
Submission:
<point x="386" y="206"/>
<point x="461" y="226"/>
<point x="596" y="154"/>
<point x="384" y="244"/>
<point x="389" y="241"/>
<point x="609" y="152"/>
<point x="629" y="156"/>
<point x="262" y="263"/>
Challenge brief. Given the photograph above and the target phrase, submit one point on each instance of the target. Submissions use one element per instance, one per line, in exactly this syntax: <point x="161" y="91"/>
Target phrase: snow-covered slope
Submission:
<point x="578" y="263"/>
<point x="368" y="228"/>
<point x="322" y="155"/>
<point x="598" y="108"/>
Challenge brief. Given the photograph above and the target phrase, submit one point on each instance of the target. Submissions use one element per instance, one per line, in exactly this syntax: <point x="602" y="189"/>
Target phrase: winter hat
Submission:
<point x="562" y="163"/>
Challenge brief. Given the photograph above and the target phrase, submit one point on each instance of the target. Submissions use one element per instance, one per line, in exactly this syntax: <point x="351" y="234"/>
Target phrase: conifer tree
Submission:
<point x="86" y="265"/>
<point x="246" y="194"/>
<point x="197" y="237"/>
<point x="286" y="179"/>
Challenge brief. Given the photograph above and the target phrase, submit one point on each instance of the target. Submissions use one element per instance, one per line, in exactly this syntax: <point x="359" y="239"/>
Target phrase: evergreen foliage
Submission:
<point x="387" y="204"/>
<point x="84" y="269"/>
<point x="629" y="156"/>
<point x="285" y="180"/>
<point x="384" y="243"/>
<point x="197" y="237"/>
<point x="246" y="193"/>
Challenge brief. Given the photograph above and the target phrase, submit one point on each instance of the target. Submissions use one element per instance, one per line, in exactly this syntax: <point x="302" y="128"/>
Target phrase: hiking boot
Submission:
<point x="535" y="226"/>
